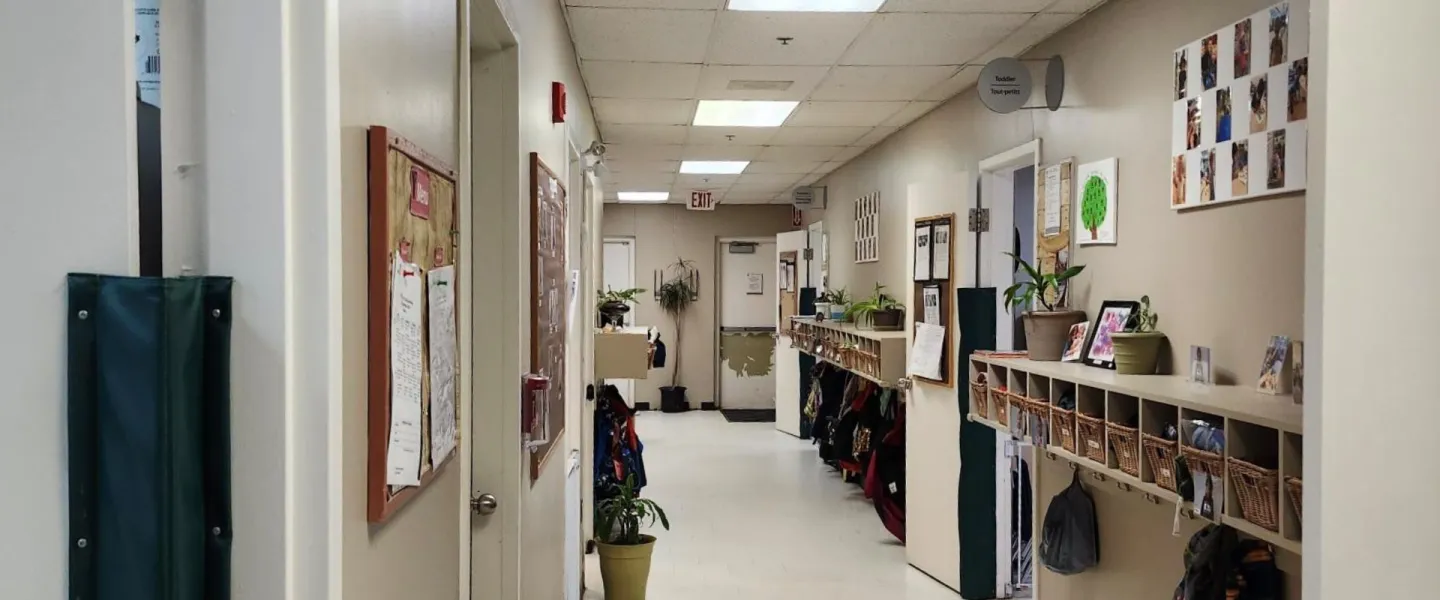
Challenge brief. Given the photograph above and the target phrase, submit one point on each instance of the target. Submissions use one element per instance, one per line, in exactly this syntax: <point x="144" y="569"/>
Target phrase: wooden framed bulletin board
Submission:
<point x="933" y="271"/>
<point x="1054" y="191"/>
<point x="413" y="323"/>
<point x="543" y="412"/>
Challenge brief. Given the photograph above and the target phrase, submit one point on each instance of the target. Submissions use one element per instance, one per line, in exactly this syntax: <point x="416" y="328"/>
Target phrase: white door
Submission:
<point x="788" y="402"/>
<point x="747" y="298"/>
<point x="619" y="270"/>
<point x="933" y="414"/>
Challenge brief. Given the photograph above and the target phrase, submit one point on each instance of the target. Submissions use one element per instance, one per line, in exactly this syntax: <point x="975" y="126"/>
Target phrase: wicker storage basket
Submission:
<point x="1258" y="489"/>
<point x="1090" y="433"/>
<point x="1160" y="453"/>
<point x="1002" y="399"/>
<point x="1126" y="441"/>
<point x="980" y="399"/>
<point x="1200" y="460"/>
<point x="1296" y="491"/>
<point x="1040" y="409"/>
<point x="1062" y="428"/>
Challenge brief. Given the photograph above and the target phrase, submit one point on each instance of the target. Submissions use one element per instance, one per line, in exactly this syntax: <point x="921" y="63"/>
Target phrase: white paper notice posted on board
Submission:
<point x="443" y="364"/>
<point x="402" y="457"/>
<point x="928" y="351"/>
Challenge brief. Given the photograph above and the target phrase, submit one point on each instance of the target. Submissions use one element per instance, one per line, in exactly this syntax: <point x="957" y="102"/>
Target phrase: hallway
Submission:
<point x="755" y="515"/>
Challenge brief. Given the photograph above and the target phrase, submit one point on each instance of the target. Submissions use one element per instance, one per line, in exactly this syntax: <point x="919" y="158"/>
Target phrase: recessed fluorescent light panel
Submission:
<point x="644" y="196"/>
<point x="807" y="5"/>
<point x="713" y="167"/>
<point x="743" y="113"/>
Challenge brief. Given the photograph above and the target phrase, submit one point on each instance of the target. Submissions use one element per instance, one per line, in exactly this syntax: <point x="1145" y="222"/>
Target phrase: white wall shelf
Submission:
<point x="1258" y="428"/>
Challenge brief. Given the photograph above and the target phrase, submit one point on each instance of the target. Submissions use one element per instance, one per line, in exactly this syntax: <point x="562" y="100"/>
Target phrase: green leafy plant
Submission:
<point x="1026" y="293"/>
<point x="627" y="296"/>
<point x="838" y="296"/>
<point x="675" y="297"/>
<point x="865" y="309"/>
<point x="1094" y="205"/>
<point x="1144" y="320"/>
<point x="624" y="515"/>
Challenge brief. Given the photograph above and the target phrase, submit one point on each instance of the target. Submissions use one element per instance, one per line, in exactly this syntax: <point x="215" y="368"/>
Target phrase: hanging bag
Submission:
<point x="1070" y="538"/>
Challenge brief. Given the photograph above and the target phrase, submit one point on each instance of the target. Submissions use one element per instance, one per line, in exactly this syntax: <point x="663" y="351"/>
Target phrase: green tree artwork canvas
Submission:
<point x="1099" y="190"/>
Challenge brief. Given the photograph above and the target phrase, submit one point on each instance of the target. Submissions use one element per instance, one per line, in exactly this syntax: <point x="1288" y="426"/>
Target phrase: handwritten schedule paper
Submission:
<point x="928" y="350"/>
<point x="442" y="363"/>
<point x="402" y="460"/>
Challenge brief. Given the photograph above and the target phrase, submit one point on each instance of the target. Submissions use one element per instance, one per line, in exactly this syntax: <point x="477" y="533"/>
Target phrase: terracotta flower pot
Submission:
<point x="1047" y="331"/>
<point x="1137" y="353"/>
<point x="626" y="569"/>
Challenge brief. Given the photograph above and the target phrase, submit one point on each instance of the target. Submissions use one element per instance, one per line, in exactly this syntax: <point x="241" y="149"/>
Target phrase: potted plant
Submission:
<point x="839" y="303"/>
<point x="614" y="305"/>
<point x="1045" y="330"/>
<point x="880" y="312"/>
<point x="624" y="551"/>
<point x="1137" y="349"/>
<point x="675" y="297"/>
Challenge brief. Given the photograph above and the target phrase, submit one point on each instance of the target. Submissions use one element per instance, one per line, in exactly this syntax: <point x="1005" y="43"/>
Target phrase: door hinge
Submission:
<point x="809" y="254"/>
<point x="979" y="220"/>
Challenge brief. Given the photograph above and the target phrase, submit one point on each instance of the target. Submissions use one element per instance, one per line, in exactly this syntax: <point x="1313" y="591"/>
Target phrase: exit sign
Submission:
<point x="702" y="200"/>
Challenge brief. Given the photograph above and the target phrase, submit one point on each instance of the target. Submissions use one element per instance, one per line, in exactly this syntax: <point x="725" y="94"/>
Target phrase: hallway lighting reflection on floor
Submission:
<point x="756" y="516"/>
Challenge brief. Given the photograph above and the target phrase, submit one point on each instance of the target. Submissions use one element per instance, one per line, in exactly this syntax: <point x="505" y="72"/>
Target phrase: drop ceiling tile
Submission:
<point x="966" y="6"/>
<point x="721" y="152"/>
<point x="747" y="199"/>
<point x="758" y="191"/>
<point x="930" y="39"/>
<point x="641" y="35"/>
<point x="1033" y="32"/>
<point x="831" y="167"/>
<point x="848" y="154"/>
<point x="759" y="180"/>
<point x="673" y="4"/>
<point x="618" y="79"/>
<point x="704" y="182"/>
<point x="1075" y="6"/>
<point x="716" y="82"/>
<point x="749" y="38"/>
<point x="805" y="153"/>
<point x="843" y="114"/>
<point x="642" y="134"/>
<point x="964" y="80"/>
<point x="876" y="136"/>
<point x="643" y="152"/>
<point x="640" y="182"/>
<point x="912" y="111"/>
<point x="730" y="136"/>
<point x="812" y="177"/>
<point x="797" y="167"/>
<point x="628" y="111"/>
<point x="818" y="136"/>
<point x="880" y="83"/>
<point x="637" y="166"/>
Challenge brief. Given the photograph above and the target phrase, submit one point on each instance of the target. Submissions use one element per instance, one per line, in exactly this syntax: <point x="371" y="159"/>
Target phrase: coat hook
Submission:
<point x="1124" y="487"/>
<point x="1098" y="475"/>
<point x="1151" y="498"/>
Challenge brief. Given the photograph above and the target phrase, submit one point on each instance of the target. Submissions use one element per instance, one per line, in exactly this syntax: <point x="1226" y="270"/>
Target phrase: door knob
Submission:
<point x="484" y="504"/>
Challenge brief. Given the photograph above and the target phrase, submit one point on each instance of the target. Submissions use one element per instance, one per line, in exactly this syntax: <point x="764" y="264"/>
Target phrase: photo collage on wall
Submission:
<point x="1242" y="92"/>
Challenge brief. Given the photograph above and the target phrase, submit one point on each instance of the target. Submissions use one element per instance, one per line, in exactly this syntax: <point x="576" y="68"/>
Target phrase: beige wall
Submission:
<point x="1227" y="277"/>
<point x="398" y="68"/>
<point x="662" y="234"/>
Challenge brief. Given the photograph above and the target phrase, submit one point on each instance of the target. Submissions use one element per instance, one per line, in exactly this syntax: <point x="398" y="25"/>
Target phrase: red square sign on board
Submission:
<point x="419" y="192"/>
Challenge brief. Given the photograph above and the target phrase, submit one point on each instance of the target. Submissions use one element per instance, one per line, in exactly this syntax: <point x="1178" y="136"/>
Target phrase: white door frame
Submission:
<point x="497" y="348"/>
<point x="715" y="281"/>
<point x="997" y="193"/>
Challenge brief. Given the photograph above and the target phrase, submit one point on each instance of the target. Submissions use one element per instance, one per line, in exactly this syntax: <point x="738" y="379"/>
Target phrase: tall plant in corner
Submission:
<point x="675" y="297"/>
<point x="1047" y="327"/>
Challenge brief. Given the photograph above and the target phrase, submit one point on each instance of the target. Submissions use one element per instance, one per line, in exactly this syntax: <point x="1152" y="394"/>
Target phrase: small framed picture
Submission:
<point x="1200" y="366"/>
<point x="1075" y="344"/>
<point x="1274" y="372"/>
<point x="1297" y="372"/>
<point x="1114" y="315"/>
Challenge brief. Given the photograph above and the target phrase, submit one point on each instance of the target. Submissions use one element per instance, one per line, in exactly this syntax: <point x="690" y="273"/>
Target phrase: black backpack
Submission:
<point x="1220" y="566"/>
<point x="1070" y="538"/>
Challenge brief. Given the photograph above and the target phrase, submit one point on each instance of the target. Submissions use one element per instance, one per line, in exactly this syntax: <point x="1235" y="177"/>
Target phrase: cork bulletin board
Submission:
<point x="1054" y="189"/>
<point x="412" y="210"/>
<point x="543" y="412"/>
<point x="934" y="272"/>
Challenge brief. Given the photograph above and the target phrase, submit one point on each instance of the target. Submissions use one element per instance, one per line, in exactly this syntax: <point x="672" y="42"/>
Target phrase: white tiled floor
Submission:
<point x="756" y="516"/>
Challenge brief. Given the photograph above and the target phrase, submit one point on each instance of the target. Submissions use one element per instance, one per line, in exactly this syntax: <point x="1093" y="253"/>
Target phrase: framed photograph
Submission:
<point x="1200" y="366"/>
<point x="1114" y="314"/>
<point x="1075" y="344"/>
<point x="1274" y="371"/>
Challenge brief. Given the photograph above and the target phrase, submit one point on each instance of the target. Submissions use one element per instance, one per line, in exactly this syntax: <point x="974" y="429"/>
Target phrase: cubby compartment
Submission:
<point x="1159" y="444"/>
<point x="980" y="384"/>
<point x="1013" y="400"/>
<point x="1036" y="405"/>
<point x="1292" y="470"/>
<point x="1062" y="414"/>
<point x="1254" y="474"/>
<point x="1122" y="432"/>
<point x="1090" y="424"/>
<point x="1203" y="441"/>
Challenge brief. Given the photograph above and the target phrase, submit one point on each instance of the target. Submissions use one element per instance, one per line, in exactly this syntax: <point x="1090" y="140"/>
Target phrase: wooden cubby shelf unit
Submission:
<point x="1262" y="430"/>
<point x="879" y="356"/>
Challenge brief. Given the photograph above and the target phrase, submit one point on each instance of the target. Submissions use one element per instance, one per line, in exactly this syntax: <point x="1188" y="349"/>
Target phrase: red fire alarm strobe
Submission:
<point x="557" y="102"/>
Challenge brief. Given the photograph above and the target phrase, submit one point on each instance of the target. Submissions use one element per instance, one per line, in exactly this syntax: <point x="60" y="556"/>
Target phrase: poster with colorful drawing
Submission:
<point x="1248" y="92"/>
<point x="1099" y="189"/>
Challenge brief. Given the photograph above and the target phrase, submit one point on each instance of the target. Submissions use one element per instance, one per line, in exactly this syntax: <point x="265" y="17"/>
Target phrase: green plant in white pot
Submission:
<point x="1047" y="327"/>
<point x="839" y="303"/>
<point x="1137" y="349"/>
<point x="625" y="551"/>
